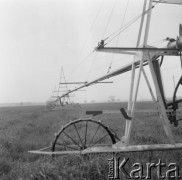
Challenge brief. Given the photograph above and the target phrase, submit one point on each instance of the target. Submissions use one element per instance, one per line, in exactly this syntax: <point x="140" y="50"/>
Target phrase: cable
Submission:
<point x="120" y="30"/>
<point x="123" y="19"/>
<point x="84" y="59"/>
<point x="109" y="18"/>
<point x="103" y="34"/>
<point x="91" y="67"/>
<point x="118" y="36"/>
<point x="84" y="44"/>
<point x="99" y="67"/>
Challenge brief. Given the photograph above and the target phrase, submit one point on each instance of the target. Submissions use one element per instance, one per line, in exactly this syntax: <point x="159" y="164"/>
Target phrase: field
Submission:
<point x="24" y="128"/>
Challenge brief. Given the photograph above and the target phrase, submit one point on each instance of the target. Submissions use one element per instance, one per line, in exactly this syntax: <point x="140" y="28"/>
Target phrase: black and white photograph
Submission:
<point x="90" y="89"/>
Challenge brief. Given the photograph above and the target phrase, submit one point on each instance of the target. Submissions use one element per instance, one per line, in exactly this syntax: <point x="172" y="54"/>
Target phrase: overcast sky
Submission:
<point x="37" y="37"/>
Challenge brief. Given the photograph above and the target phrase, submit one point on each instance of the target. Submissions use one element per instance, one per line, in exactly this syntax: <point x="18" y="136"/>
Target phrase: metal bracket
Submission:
<point x="123" y="112"/>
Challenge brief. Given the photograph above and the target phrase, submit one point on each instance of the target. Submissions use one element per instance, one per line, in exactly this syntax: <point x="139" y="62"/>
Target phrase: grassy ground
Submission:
<point x="30" y="128"/>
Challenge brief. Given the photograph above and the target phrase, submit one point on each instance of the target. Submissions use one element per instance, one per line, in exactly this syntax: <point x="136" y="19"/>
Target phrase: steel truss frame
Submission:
<point x="144" y="55"/>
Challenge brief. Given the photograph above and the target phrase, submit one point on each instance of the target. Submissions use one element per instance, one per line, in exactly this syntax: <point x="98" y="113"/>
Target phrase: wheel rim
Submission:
<point x="81" y="134"/>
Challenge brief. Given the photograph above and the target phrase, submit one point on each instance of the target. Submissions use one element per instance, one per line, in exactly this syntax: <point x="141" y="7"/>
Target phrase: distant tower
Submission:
<point x="55" y="99"/>
<point x="62" y="88"/>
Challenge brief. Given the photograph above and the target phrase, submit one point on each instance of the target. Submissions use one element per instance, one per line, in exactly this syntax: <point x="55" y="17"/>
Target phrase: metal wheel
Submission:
<point x="81" y="134"/>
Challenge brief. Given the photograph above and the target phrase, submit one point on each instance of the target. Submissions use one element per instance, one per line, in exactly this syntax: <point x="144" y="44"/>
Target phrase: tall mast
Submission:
<point x="133" y="65"/>
<point x="148" y="23"/>
<point x="130" y="102"/>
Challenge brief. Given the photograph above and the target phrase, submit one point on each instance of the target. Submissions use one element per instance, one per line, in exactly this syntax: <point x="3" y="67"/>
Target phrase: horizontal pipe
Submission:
<point x="169" y="1"/>
<point x="85" y="82"/>
<point x="109" y="75"/>
<point x="121" y="70"/>
<point x="164" y="51"/>
<point x="73" y="83"/>
<point x="133" y="50"/>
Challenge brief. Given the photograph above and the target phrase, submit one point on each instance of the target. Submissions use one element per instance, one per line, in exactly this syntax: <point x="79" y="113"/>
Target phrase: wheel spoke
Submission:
<point x="71" y="139"/>
<point x="100" y="139"/>
<point x="86" y="133"/>
<point x="94" y="135"/>
<point x="78" y="135"/>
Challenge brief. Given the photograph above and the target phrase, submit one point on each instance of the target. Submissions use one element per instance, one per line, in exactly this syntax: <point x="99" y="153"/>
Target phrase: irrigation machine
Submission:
<point x="91" y="136"/>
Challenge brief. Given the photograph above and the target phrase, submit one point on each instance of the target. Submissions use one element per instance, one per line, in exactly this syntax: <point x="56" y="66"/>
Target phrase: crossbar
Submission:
<point x="110" y="149"/>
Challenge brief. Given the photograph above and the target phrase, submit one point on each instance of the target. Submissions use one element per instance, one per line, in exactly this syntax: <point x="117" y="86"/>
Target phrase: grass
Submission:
<point x="33" y="127"/>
